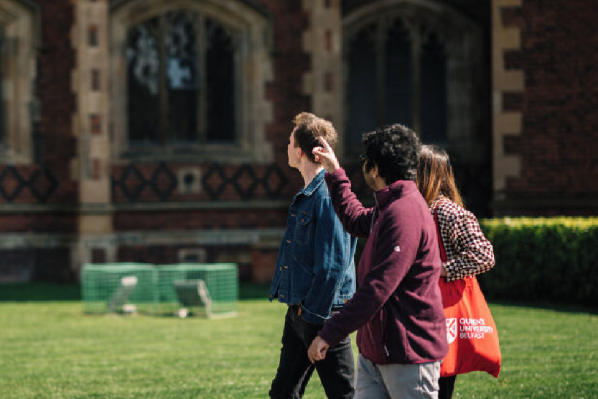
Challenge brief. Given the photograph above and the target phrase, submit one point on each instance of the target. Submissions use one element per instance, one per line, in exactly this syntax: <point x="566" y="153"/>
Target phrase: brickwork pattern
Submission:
<point x="28" y="184"/>
<point x="212" y="219"/>
<point x="559" y="140"/>
<point x="159" y="182"/>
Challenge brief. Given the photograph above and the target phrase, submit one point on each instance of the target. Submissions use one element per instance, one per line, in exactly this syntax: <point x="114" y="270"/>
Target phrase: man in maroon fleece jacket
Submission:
<point x="397" y="308"/>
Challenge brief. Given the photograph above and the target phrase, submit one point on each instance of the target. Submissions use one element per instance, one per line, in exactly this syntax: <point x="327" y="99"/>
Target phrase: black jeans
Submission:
<point x="447" y="385"/>
<point x="336" y="371"/>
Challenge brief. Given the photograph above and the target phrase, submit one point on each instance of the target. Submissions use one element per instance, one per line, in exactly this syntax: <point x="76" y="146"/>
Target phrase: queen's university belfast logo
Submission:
<point x="466" y="329"/>
<point x="451" y="330"/>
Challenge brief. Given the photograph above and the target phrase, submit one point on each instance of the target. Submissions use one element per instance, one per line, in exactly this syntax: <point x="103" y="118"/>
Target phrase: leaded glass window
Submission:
<point x="181" y="75"/>
<point x="396" y="74"/>
<point x="362" y="88"/>
<point x="434" y="91"/>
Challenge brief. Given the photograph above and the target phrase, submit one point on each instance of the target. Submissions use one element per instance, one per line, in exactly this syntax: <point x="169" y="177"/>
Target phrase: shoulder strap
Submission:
<point x="440" y="244"/>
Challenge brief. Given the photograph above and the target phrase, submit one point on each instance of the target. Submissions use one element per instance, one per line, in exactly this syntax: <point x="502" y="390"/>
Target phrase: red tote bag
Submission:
<point x="471" y="332"/>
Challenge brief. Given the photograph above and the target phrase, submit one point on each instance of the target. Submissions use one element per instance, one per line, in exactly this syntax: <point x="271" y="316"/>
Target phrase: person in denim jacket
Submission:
<point x="315" y="272"/>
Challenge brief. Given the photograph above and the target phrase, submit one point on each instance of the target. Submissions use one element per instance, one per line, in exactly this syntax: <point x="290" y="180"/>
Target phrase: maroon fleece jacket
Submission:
<point x="397" y="308"/>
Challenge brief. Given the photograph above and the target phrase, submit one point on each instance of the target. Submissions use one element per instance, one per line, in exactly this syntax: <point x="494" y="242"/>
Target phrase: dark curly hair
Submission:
<point x="395" y="150"/>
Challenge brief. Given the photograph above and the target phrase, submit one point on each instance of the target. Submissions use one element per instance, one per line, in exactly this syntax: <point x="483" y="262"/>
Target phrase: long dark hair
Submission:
<point x="435" y="175"/>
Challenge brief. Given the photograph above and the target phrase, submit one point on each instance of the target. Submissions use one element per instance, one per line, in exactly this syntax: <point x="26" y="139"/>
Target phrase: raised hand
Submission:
<point x="326" y="156"/>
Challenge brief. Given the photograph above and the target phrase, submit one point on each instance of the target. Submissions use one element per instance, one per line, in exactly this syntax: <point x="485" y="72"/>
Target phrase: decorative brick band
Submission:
<point x="159" y="183"/>
<point x="506" y="82"/>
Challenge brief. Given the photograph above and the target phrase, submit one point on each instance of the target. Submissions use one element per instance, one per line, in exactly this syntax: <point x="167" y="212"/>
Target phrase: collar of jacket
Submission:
<point x="314" y="184"/>
<point x="395" y="190"/>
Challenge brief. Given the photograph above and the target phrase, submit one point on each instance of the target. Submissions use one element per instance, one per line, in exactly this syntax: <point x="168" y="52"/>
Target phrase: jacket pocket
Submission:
<point x="301" y="280"/>
<point x="303" y="228"/>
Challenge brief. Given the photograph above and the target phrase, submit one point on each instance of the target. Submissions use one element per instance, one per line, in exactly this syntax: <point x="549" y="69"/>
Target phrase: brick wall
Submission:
<point x="204" y="220"/>
<point x="38" y="223"/>
<point x="155" y="182"/>
<point x="263" y="262"/>
<point x="56" y="145"/>
<point x="290" y="63"/>
<point x="559" y="140"/>
<point x="47" y="181"/>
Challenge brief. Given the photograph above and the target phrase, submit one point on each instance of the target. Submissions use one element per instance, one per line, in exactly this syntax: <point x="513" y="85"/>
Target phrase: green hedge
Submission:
<point x="543" y="259"/>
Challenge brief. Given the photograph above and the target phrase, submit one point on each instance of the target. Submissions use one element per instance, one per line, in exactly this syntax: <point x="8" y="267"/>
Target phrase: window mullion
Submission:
<point x="163" y="81"/>
<point x="381" y="31"/>
<point x="416" y="83"/>
<point x="202" y="102"/>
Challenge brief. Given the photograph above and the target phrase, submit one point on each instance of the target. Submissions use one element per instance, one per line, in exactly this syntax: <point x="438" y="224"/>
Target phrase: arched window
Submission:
<point x="193" y="82"/>
<point x="19" y="35"/>
<point x="181" y="76"/>
<point x="399" y="55"/>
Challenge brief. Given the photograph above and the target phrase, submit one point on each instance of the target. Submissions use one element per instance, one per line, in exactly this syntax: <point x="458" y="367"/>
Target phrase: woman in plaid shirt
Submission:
<point x="468" y="252"/>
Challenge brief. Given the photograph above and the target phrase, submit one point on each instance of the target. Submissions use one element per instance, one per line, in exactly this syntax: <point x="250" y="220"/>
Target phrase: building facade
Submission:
<point x="156" y="130"/>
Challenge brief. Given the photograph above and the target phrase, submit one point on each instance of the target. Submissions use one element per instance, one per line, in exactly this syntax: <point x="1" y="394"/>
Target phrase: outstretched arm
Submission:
<point x="356" y="219"/>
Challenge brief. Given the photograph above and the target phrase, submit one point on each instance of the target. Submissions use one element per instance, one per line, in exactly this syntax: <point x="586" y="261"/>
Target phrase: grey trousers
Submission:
<point x="396" y="381"/>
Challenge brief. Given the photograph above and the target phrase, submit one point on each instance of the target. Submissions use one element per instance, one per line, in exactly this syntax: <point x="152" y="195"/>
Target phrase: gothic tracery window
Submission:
<point x="397" y="73"/>
<point x="181" y="80"/>
<point x="423" y="64"/>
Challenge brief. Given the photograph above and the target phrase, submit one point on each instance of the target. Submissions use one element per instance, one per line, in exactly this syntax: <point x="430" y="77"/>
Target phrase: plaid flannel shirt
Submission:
<point x="468" y="251"/>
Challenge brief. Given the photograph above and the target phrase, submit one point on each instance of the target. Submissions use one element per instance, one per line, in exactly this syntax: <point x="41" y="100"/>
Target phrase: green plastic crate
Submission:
<point x="210" y="289"/>
<point x="119" y="288"/>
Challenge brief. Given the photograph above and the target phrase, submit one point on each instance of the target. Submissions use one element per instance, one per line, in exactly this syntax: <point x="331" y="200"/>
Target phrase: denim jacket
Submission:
<point x="315" y="267"/>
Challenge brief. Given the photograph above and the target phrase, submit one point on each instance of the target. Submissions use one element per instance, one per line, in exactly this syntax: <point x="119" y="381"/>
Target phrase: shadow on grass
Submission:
<point x="43" y="292"/>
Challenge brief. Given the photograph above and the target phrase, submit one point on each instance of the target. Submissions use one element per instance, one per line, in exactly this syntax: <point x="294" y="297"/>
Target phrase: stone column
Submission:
<point x="322" y="40"/>
<point x="91" y="167"/>
<point x="504" y="81"/>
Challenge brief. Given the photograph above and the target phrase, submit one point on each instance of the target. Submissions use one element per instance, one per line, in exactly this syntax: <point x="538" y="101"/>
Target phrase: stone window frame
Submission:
<point x="463" y="43"/>
<point x="254" y="111"/>
<point x="20" y="29"/>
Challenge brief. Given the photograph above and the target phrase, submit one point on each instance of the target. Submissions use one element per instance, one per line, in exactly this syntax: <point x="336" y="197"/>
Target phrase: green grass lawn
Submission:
<point x="52" y="350"/>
